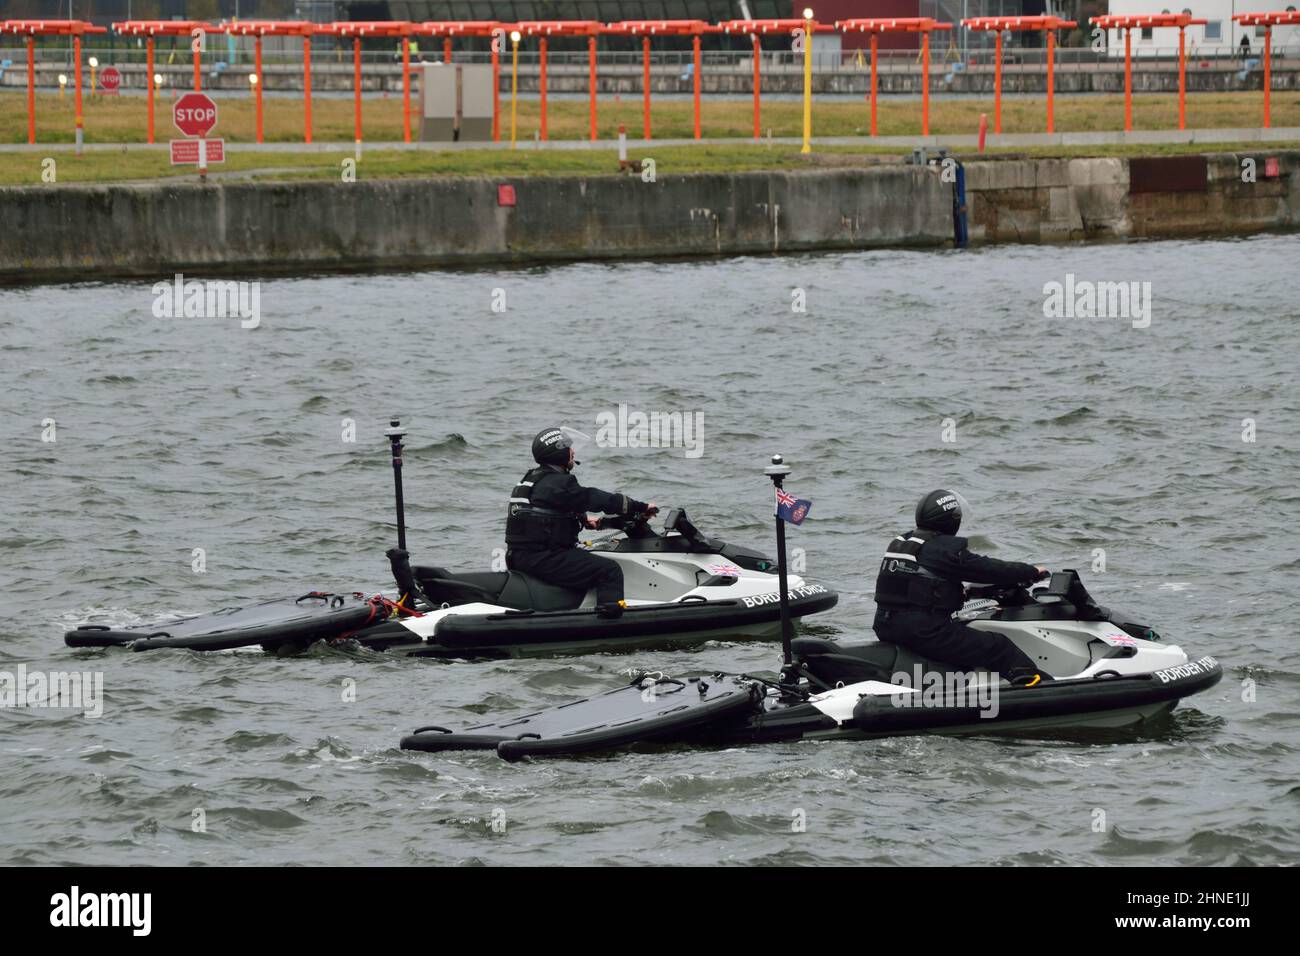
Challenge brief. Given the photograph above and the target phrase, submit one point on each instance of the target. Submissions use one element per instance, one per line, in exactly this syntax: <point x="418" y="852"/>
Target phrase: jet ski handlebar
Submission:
<point x="1064" y="588"/>
<point x="1013" y="595"/>
<point x="634" y="526"/>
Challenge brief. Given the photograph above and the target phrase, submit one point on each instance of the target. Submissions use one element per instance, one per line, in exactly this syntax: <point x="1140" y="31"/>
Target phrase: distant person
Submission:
<point x="1245" y="48"/>
<point x="920" y="586"/>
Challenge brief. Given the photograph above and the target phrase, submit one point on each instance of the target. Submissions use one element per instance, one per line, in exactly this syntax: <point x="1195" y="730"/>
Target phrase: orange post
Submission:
<point x="1051" y="81"/>
<point x="257" y="65"/>
<point x="696" y="71"/>
<point x="496" y="90"/>
<point x="542" y="47"/>
<point x="356" y="85"/>
<point x="77" y="55"/>
<point x="645" y="85"/>
<point x="198" y="66"/>
<point x="925" y="83"/>
<point x="148" y="80"/>
<point x="446" y="50"/>
<point x="31" y="93"/>
<point x="406" y="88"/>
<point x="875" y="45"/>
<point x="591" y="73"/>
<point x="1182" y="80"/>
<point x="306" y="85"/>
<point x="1128" y="79"/>
<point x="997" y="82"/>
<point x="758" y="84"/>
<point x="1268" y="71"/>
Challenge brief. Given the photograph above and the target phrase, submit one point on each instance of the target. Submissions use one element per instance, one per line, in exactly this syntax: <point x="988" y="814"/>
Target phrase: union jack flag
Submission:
<point x="728" y="569"/>
<point x="782" y="498"/>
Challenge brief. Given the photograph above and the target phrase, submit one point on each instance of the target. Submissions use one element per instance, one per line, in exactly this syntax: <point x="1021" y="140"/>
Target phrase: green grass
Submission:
<point x="122" y="119"/>
<point x="25" y="169"/>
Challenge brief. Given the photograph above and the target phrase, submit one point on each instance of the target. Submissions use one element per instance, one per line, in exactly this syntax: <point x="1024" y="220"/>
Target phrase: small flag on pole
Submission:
<point x="791" y="509"/>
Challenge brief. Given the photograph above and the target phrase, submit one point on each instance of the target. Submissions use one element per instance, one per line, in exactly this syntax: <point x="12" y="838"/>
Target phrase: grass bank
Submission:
<point x="121" y="119"/>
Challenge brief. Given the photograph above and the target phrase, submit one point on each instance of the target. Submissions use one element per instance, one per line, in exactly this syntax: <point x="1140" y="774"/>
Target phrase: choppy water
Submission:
<point x="1071" y="435"/>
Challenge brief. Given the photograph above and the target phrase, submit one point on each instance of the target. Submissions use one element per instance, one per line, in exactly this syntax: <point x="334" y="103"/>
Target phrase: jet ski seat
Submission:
<point x="852" y="663"/>
<point x="512" y="589"/>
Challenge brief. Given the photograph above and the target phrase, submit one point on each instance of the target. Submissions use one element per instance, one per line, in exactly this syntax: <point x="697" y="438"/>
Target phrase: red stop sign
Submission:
<point x="195" y="114"/>
<point x="110" y="79"/>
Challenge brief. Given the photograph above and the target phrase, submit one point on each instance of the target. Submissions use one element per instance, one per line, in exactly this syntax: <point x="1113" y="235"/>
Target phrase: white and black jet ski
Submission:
<point x="681" y="587"/>
<point x="1112" y="672"/>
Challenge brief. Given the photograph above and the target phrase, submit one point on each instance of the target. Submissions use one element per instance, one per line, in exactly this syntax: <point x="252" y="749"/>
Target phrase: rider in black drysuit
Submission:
<point x="547" y="509"/>
<point x="920" y="585"/>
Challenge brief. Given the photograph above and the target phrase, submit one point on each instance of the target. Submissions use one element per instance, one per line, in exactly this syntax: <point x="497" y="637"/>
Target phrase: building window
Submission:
<point x="1147" y="33"/>
<point x="1214" y="30"/>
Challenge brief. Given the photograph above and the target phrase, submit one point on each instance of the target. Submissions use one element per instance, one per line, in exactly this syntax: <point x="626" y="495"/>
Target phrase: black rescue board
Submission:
<point x="626" y="715"/>
<point x="312" y="617"/>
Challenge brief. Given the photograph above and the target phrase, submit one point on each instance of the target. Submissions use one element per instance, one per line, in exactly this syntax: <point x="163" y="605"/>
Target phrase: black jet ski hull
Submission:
<point x="643" y="711"/>
<point x="518" y="633"/>
<point x="275" y="625"/>
<point x="1110" y="702"/>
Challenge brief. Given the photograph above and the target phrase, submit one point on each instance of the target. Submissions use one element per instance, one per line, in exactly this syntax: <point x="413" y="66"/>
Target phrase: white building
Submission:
<point x="1220" y="34"/>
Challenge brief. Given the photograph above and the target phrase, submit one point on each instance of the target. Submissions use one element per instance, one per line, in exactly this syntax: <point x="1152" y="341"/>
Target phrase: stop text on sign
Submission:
<point x="194" y="114"/>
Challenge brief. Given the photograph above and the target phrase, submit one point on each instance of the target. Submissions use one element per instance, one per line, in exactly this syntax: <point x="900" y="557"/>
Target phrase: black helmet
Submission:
<point x="551" y="446"/>
<point x="940" y="511"/>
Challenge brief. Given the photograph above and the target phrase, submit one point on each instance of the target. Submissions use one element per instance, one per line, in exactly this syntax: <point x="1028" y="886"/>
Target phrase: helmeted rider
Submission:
<point x="548" y="508"/>
<point x="920" y="586"/>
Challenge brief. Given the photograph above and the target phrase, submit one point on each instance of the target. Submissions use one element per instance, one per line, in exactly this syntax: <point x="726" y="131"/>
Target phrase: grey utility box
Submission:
<point x="455" y="102"/>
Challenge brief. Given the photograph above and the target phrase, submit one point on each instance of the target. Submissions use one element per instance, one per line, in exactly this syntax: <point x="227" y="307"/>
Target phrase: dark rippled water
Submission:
<point x="1071" y="435"/>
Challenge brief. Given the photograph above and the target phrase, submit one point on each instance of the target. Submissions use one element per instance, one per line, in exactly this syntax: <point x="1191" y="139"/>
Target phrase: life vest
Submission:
<point x="530" y="526"/>
<point x="903" y="584"/>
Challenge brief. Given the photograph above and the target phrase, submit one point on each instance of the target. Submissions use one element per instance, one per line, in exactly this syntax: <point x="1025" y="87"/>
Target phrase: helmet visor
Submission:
<point x="965" y="506"/>
<point x="572" y="438"/>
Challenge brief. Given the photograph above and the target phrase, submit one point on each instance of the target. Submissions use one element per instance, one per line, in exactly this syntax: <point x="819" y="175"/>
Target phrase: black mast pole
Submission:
<point x="777" y="472"/>
<point x="395" y="434"/>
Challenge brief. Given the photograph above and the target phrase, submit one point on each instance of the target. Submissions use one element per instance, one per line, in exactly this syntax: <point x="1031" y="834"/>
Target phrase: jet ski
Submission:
<point x="681" y="587"/>
<point x="1112" y="672"/>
